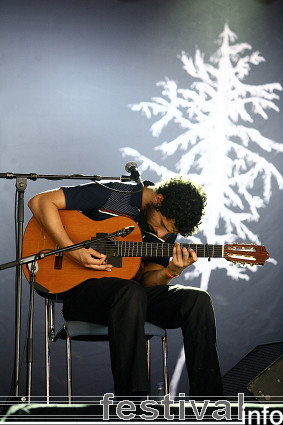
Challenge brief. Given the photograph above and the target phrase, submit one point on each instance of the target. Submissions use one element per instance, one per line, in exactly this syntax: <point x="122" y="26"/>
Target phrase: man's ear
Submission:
<point x="158" y="199"/>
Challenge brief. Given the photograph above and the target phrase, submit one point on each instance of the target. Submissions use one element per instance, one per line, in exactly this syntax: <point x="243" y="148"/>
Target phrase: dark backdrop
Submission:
<point x="69" y="70"/>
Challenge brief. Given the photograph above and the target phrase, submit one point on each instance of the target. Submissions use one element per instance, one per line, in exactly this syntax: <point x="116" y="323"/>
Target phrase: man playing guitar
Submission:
<point x="123" y="304"/>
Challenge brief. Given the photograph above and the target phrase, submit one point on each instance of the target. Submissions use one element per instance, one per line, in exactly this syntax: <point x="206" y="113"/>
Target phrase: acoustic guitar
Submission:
<point x="57" y="273"/>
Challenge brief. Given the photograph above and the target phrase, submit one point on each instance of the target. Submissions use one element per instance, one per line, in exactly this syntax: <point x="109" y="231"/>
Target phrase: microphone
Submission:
<point x="132" y="167"/>
<point x="122" y="232"/>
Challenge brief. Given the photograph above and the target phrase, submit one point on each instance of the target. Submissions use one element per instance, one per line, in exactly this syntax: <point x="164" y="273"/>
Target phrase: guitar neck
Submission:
<point x="148" y="249"/>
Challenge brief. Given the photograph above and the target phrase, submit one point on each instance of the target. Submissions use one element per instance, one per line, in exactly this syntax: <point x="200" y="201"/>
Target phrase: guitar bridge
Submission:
<point x="58" y="260"/>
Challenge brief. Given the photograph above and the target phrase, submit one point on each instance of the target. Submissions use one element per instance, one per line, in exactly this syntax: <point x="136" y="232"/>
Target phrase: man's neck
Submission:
<point x="147" y="196"/>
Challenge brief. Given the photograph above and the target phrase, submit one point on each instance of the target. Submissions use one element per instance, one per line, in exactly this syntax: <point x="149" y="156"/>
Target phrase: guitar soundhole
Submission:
<point x="116" y="261"/>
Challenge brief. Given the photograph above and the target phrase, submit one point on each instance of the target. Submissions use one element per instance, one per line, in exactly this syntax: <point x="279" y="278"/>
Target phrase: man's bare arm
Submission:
<point x="154" y="274"/>
<point x="45" y="208"/>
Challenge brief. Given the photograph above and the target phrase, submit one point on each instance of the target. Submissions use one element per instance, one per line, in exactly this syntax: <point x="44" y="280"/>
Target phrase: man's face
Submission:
<point x="151" y="220"/>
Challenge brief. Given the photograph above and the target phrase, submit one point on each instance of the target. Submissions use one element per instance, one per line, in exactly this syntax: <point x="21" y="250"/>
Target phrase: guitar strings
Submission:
<point x="139" y="249"/>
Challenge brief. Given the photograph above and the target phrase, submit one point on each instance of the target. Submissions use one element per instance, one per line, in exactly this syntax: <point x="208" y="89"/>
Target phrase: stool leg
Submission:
<point x="165" y="364"/>
<point x="69" y="367"/>
<point x="148" y="363"/>
<point x="47" y="351"/>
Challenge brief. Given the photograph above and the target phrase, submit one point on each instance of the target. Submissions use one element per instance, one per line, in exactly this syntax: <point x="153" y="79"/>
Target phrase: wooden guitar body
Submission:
<point x="53" y="278"/>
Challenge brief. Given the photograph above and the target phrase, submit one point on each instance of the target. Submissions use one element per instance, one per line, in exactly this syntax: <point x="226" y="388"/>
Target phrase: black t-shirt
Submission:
<point x="99" y="202"/>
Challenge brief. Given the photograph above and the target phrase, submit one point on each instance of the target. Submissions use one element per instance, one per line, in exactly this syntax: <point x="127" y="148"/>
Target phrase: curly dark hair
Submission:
<point x="183" y="201"/>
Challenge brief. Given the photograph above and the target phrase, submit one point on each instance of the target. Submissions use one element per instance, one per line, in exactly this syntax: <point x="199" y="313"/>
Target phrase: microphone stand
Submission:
<point x="21" y="185"/>
<point x="33" y="268"/>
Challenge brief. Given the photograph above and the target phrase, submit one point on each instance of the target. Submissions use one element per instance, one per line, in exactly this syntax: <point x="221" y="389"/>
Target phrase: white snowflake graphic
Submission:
<point x="219" y="146"/>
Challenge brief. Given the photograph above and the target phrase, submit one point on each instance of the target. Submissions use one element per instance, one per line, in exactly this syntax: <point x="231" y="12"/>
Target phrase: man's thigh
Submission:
<point x="91" y="300"/>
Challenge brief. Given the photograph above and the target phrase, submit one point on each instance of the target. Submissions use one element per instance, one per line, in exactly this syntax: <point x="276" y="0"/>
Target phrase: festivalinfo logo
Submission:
<point x="191" y="412"/>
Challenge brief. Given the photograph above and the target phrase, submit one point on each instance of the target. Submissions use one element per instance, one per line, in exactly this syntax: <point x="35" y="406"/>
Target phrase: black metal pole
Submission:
<point x="21" y="184"/>
<point x="33" y="268"/>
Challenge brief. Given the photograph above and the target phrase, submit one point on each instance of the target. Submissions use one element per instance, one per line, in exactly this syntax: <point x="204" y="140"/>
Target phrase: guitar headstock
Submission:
<point x="246" y="254"/>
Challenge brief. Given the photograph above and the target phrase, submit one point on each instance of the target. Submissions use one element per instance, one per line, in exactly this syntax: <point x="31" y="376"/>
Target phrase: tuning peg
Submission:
<point x="244" y="264"/>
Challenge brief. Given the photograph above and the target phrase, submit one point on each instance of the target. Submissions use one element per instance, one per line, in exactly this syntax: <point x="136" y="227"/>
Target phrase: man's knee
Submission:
<point x="196" y="299"/>
<point x="189" y="294"/>
<point x="129" y="301"/>
<point x="203" y="298"/>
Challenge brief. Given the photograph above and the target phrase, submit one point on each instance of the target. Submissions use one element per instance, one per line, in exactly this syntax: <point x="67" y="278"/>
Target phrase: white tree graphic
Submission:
<point x="219" y="146"/>
<point x="216" y="143"/>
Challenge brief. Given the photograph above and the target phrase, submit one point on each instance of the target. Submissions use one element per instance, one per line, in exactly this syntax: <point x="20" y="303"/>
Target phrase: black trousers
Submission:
<point x="124" y="305"/>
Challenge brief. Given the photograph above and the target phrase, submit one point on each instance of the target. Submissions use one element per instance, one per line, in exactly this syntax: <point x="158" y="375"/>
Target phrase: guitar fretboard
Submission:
<point x="149" y="249"/>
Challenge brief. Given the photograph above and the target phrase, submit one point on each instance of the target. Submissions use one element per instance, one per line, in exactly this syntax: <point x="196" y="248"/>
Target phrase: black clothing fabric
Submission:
<point x="99" y="202"/>
<point x="124" y="305"/>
